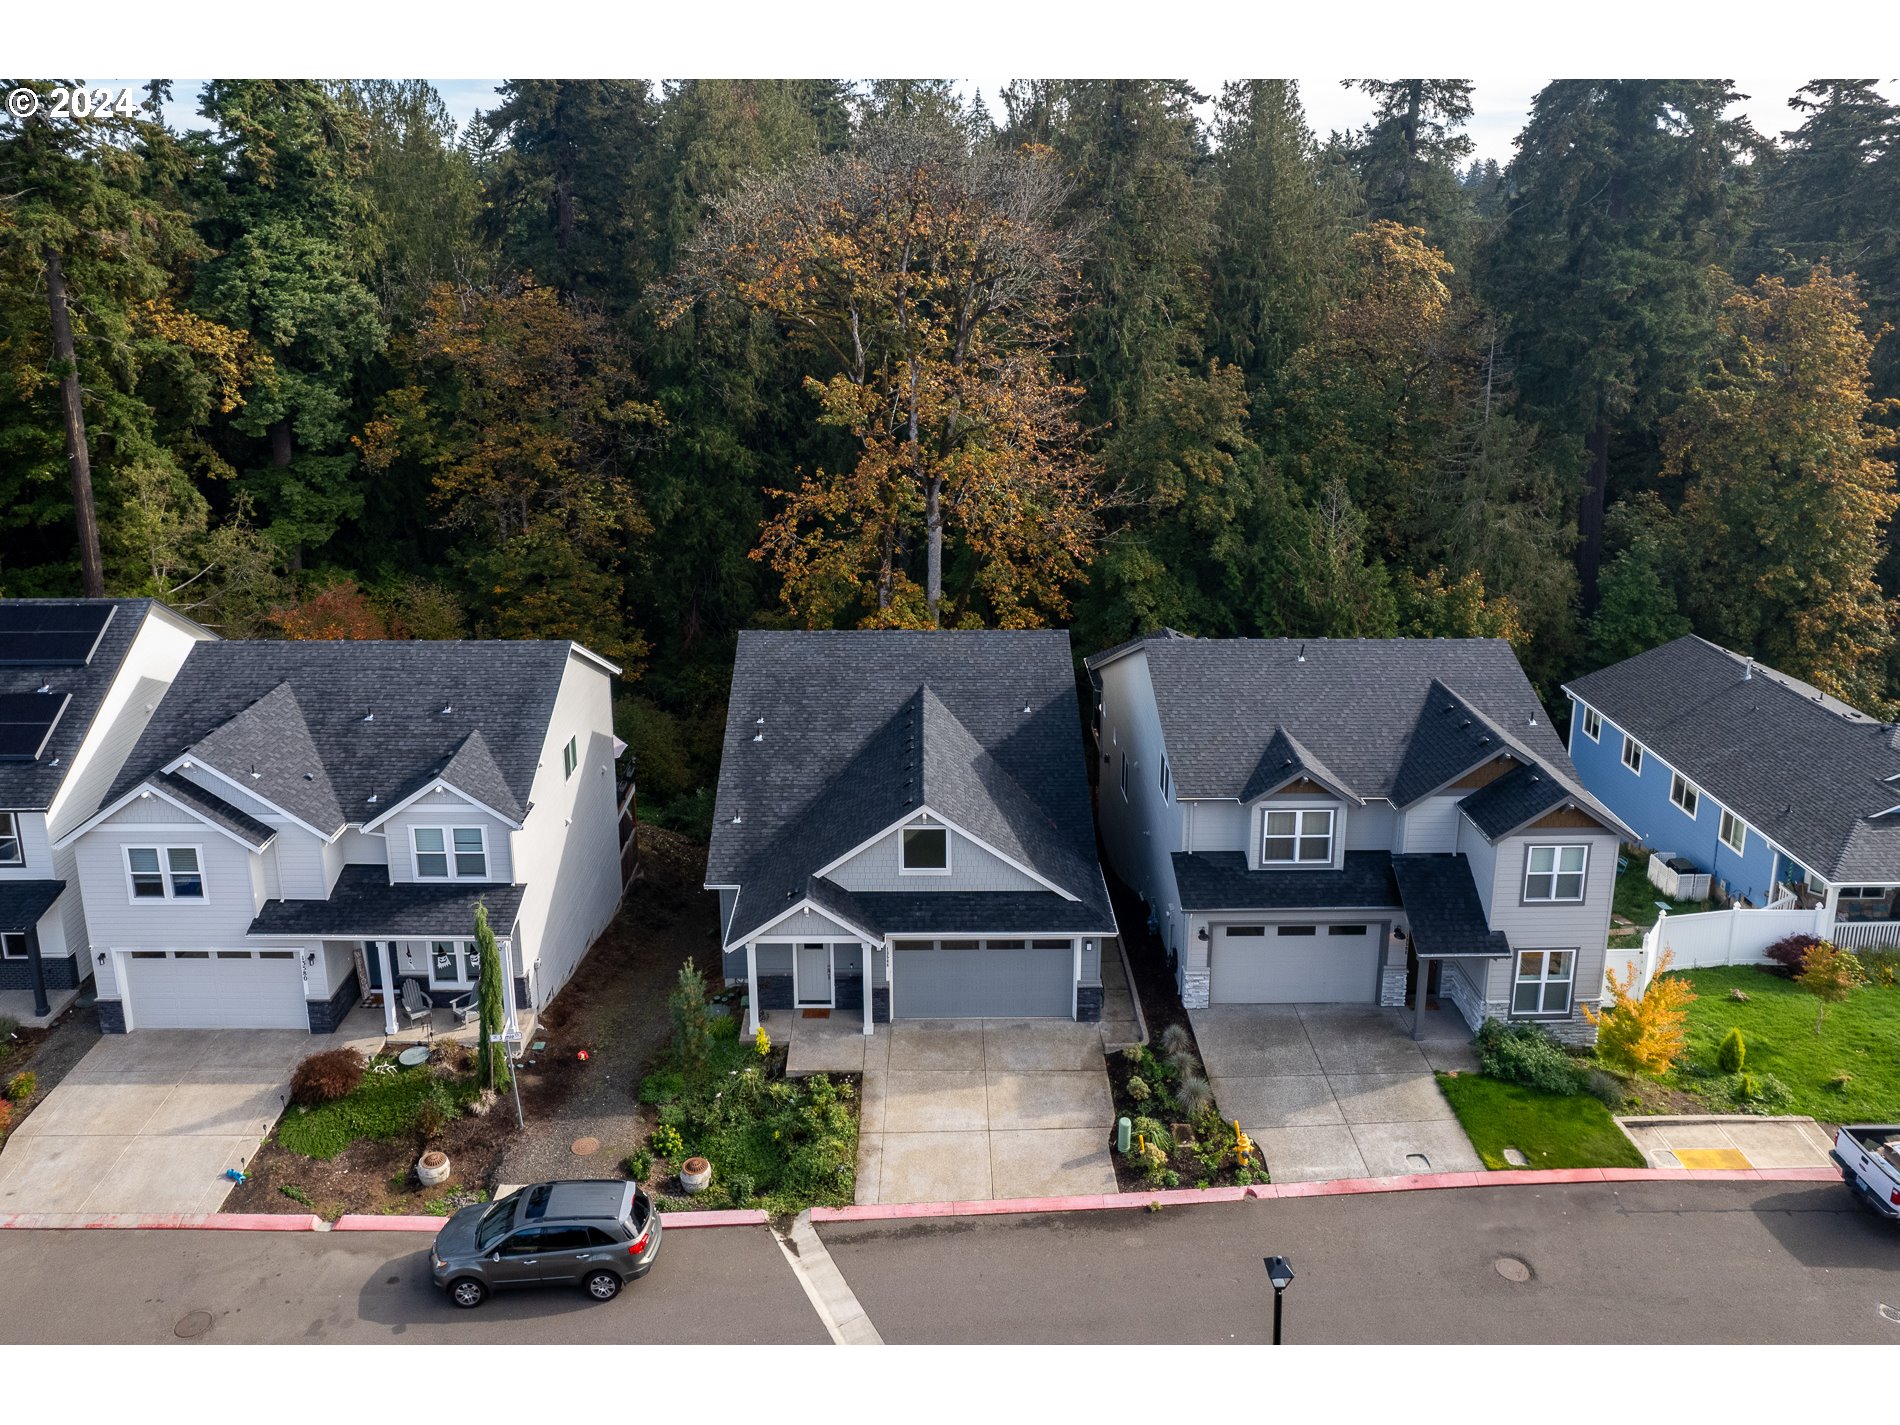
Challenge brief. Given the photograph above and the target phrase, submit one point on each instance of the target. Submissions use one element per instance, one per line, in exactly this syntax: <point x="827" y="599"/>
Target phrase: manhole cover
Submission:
<point x="1513" y="1269"/>
<point x="586" y="1147"/>
<point x="192" y="1324"/>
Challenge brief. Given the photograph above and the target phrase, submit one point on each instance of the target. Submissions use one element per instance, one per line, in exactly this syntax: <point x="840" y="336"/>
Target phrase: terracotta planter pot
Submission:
<point x="432" y="1168"/>
<point x="695" y="1174"/>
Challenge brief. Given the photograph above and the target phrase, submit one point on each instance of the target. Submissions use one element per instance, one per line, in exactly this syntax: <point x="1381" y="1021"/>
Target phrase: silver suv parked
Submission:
<point x="593" y="1234"/>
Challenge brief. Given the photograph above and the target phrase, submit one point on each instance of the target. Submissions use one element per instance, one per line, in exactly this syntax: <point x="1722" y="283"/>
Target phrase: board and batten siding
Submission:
<point x="875" y="868"/>
<point x="447" y="809"/>
<point x="567" y="853"/>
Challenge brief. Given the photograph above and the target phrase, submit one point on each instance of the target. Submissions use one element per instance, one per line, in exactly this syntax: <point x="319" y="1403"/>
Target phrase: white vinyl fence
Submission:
<point x="1736" y="936"/>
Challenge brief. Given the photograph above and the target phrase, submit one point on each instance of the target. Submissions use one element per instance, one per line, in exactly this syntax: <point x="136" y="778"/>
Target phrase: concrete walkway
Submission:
<point x="1729" y="1141"/>
<point x="148" y="1122"/>
<point x="1338" y="1091"/>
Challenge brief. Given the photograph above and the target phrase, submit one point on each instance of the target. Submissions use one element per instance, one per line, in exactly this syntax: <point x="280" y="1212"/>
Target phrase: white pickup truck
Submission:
<point x="1868" y="1155"/>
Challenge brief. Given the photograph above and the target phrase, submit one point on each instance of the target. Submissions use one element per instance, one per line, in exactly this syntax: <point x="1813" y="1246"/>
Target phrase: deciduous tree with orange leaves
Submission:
<point x="1646" y="1033"/>
<point x="930" y="285"/>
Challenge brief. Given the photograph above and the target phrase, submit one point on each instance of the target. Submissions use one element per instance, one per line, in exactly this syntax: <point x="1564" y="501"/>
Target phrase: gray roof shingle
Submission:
<point x="1805" y="770"/>
<point x="1220" y="880"/>
<point x="364" y="903"/>
<point x="22" y="903"/>
<point x="31" y="786"/>
<point x="1443" y="909"/>
<point x="856" y="729"/>
<point x="329" y="725"/>
<point x="216" y="809"/>
<point x="1521" y="795"/>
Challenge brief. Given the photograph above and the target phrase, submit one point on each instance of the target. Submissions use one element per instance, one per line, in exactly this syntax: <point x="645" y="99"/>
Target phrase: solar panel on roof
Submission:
<point x="45" y="635"/>
<point x="26" y="722"/>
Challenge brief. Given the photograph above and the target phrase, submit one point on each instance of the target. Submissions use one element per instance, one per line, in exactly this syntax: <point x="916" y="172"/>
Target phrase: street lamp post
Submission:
<point x="1280" y="1273"/>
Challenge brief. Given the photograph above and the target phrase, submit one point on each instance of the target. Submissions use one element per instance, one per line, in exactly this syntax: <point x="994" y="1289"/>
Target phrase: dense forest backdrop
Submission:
<point x="645" y="366"/>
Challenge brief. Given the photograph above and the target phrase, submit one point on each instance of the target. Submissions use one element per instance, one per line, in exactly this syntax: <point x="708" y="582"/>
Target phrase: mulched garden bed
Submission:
<point x="48" y="1054"/>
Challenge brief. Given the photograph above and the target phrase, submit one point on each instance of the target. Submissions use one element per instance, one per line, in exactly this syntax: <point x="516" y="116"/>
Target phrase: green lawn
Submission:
<point x="1777" y="1021"/>
<point x="1551" y="1130"/>
<point x="1636" y="898"/>
<point x="382" y="1106"/>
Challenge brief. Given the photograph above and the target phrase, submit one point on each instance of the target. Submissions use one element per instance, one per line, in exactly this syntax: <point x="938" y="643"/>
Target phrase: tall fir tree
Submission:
<point x="1407" y="158"/>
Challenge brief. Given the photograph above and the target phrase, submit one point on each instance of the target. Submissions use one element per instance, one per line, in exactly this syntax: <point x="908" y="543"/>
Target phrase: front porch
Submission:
<point x="366" y="1030"/>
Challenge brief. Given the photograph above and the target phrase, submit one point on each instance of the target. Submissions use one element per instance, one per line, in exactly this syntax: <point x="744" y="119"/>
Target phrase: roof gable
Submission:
<point x="267" y="749"/>
<point x="1285" y="760"/>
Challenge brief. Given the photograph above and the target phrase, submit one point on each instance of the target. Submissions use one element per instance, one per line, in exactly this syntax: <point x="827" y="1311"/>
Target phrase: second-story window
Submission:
<point x="570" y="758"/>
<point x="12" y="853"/>
<point x="1555" y="873"/>
<point x="1632" y="754"/>
<point x="1683" y="793"/>
<point x="165" y="873"/>
<point x="1298" y="837"/>
<point x="446" y="853"/>
<point x="1734" y="832"/>
<point x="925" y="851"/>
<point x="1593" y="724"/>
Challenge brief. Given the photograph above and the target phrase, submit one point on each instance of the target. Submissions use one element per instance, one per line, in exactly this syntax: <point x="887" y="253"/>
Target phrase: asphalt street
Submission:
<point x="1647" y="1262"/>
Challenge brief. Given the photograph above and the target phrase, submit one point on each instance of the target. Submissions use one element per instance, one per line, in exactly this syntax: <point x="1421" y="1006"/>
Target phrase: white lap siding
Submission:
<point x="445" y="809"/>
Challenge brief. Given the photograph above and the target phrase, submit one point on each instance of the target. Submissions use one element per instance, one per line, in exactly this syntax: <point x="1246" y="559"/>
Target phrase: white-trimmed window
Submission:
<point x="1124" y="776"/>
<point x="454" y="964"/>
<point x="1543" y="983"/>
<point x="165" y="873"/>
<point x="570" y="758"/>
<point x="12" y="850"/>
<point x="1302" y="838"/>
<point x="1166" y="779"/>
<point x="450" y="853"/>
<point x="1632" y="754"/>
<point x="1555" y="873"/>
<point x="1684" y="793"/>
<point x="12" y="946"/>
<point x="1593" y="724"/>
<point x="924" y="851"/>
<point x="1734" y="832"/>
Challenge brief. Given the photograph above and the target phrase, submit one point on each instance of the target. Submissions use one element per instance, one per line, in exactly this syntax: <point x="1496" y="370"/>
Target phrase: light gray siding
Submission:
<point x="448" y="810"/>
<point x="1371" y="827"/>
<point x="971" y="869"/>
<point x="1217" y="826"/>
<point x="984" y="984"/>
<point x="808" y="924"/>
<point x="1432" y="825"/>
<point x="1583" y="927"/>
<point x="1142" y="829"/>
<point x="727" y="898"/>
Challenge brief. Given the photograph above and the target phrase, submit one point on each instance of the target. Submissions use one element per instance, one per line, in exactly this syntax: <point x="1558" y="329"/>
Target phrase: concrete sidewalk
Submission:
<point x="1701" y="1144"/>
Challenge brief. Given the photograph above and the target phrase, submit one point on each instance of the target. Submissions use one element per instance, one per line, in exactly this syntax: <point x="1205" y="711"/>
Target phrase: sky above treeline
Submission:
<point x="1500" y="105"/>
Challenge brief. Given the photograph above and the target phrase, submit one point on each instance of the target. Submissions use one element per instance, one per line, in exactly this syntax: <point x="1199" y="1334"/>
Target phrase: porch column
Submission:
<point x="1418" y="1011"/>
<point x="388" y="963"/>
<point x="751" y="988"/>
<point x="510" y="1014"/>
<point x="41" y="1005"/>
<point x="1830" y="908"/>
<point x="870" y="982"/>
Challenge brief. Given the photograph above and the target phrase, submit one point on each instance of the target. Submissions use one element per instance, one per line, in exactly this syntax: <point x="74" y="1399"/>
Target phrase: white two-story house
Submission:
<point x="304" y="824"/>
<point x="79" y="678"/>
<point x="1364" y="820"/>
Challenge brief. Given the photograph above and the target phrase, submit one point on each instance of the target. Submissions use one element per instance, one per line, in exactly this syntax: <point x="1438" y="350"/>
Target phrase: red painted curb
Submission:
<point x="724" y="1217"/>
<point x="164" y="1221"/>
<point x="375" y="1222"/>
<point x="1337" y="1187"/>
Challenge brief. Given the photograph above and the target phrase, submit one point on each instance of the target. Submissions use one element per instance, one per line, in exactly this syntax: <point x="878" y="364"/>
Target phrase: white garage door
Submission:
<point x="1296" y="964"/>
<point x="223" y="989"/>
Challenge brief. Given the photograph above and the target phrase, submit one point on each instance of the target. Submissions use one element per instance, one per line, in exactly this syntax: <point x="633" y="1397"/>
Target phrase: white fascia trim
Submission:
<point x="187" y="760"/>
<point x="892" y="939"/>
<point x="581" y="651"/>
<point x="146" y="789"/>
<point x="804" y="903"/>
<point x="440" y="784"/>
<point x="925" y="812"/>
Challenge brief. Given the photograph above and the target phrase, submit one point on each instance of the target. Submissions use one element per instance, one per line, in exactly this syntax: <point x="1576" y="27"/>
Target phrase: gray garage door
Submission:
<point x="1296" y="964"/>
<point x="221" y="989"/>
<point x="942" y="983"/>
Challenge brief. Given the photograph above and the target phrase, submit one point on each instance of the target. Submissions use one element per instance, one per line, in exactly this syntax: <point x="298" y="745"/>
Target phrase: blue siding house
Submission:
<point x="1756" y="777"/>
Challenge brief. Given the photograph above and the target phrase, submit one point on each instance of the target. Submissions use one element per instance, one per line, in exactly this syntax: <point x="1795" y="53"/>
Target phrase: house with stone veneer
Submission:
<point x="902" y="828"/>
<point x="1354" y="821"/>
<point x="79" y="680"/>
<point x="303" y="826"/>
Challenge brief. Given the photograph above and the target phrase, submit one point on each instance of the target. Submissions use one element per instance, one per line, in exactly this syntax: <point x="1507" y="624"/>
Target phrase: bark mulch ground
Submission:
<point x="49" y="1054"/>
<point x="614" y="1008"/>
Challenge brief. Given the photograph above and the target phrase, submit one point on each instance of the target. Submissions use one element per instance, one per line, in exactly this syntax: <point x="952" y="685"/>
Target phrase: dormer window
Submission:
<point x="925" y="851"/>
<point x="450" y="853"/>
<point x="1298" y="838"/>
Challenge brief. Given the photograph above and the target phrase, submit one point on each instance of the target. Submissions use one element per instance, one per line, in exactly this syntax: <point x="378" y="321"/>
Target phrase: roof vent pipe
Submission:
<point x="1748" y="670"/>
<point x="1302" y="654"/>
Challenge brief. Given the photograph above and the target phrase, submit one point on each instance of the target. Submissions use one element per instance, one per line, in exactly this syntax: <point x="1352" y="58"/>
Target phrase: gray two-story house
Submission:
<point x="303" y="825"/>
<point x="1365" y="820"/>
<point x="902" y="828"/>
<point x="79" y="678"/>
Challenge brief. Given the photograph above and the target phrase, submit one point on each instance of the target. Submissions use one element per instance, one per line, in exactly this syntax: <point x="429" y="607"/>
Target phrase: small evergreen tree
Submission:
<point x="1734" y="1053"/>
<point x="692" y="1026"/>
<point x="491" y="1061"/>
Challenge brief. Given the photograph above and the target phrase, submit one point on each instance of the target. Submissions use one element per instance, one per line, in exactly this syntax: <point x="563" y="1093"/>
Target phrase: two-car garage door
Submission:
<point x="1296" y="964"/>
<point x="983" y="980"/>
<point x="221" y="989"/>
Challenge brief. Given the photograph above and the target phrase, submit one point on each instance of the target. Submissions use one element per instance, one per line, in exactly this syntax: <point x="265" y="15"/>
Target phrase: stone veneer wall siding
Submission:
<point x="1088" y="1004"/>
<point x="111" y="1017"/>
<point x="849" y="992"/>
<point x="775" y="991"/>
<point x="327" y="1014"/>
<point x="1194" y="989"/>
<point x="61" y="973"/>
<point x="880" y="1004"/>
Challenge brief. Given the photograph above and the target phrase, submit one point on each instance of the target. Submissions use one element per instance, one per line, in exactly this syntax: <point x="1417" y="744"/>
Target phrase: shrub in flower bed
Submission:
<point x="1524" y="1054"/>
<point x="20" y="1087"/>
<point x="326" y="1077"/>
<point x="385" y="1104"/>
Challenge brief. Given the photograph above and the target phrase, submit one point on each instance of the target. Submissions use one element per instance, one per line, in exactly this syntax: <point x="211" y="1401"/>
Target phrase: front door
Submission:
<point x="811" y="975"/>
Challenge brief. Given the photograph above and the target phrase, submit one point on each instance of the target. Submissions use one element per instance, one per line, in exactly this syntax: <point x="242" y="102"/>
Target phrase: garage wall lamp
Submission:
<point x="99" y="958"/>
<point x="1201" y="934"/>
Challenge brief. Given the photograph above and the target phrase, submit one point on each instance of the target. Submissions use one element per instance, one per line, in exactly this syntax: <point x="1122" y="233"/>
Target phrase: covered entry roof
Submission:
<point x="1441" y="902"/>
<point x="22" y="903"/>
<point x="366" y="905"/>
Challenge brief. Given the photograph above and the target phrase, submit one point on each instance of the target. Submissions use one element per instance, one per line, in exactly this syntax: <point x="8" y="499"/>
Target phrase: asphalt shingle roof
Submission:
<point x="215" y="809"/>
<point x="1443" y="909"/>
<point x="328" y="725"/>
<point x="1283" y="759"/>
<point x="856" y="729"/>
<point x="365" y="903"/>
<point x="1521" y="795"/>
<point x="1220" y="880"/>
<point x="31" y="786"/>
<point x="1807" y="771"/>
<point x="22" y="903"/>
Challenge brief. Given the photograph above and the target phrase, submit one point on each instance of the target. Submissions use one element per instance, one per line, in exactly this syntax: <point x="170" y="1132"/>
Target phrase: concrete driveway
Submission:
<point x="966" y="1109"/>
<point x="148" y="1122"/>
<point x="1338" y="1091"/>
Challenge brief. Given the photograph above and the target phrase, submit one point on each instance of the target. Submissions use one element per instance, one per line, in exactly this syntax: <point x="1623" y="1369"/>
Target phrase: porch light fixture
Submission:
<point x="1398" y="932"/>
<point x="1280" y="1273"/>
<point x="1201" y="934"/>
